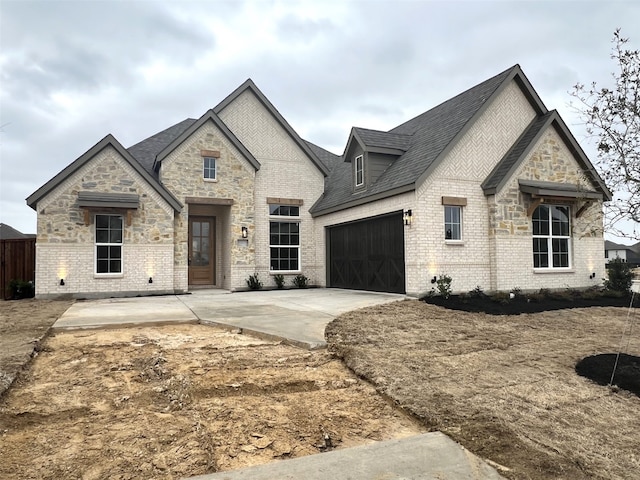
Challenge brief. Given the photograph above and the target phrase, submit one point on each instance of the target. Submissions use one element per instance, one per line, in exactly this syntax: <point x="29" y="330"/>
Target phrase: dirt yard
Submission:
<point x="505" y="387"/>
<point x="174" y="401"/>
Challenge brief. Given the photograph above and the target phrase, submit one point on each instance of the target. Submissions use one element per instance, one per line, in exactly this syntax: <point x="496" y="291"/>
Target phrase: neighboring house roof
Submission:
<point x="147" y="150"/>
<point x="249" y="85"/>
<point x="7" y="232"/>
<point x="516" y="155"/>
<point x="107" y="141"/>
<point x="432" y="133"/>
<point x="209" y="115"/>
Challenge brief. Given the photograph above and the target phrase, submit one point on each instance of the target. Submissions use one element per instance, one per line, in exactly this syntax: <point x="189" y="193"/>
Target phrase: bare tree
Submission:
<point x="612" y="117"/>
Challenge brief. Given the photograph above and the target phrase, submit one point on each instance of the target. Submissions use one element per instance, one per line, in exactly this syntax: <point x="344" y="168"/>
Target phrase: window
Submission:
<point x="359" y="170"/>
<point x="109" y="244"/>
<point x="209" y="168"/>
<point x="551" y="237"/>
<point x="284" y="238"/>
<point x="452" y="222"/>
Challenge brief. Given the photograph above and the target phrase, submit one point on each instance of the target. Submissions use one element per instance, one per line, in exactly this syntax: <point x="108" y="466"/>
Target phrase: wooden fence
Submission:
<point x="17" y="262"/>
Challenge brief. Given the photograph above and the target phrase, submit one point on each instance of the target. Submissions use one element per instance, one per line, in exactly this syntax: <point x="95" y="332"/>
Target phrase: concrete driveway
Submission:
<point x="297" y="317"/>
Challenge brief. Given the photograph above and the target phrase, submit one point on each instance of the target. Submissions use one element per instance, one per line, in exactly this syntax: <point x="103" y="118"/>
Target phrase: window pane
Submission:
<point x="205" y="229"/>
<point x="196" y="229"/>
<point x="115" y="236"/>
<point x="103" y="266"/>
<point x="560" y="221"/>
<point x="452" y="222"/>
<point x="102" y="252"/>
<point x="560" y="252"/>
<point x="102" y="236"/>
<point x="541" y="220"/>
<point x="115" y="222"/>
<point x="114" y="266"/>
<point x="115" y="252"/>
<point x="294" y="211"/>
<point x="540" y="253"/>
<point x="102" y="221"/>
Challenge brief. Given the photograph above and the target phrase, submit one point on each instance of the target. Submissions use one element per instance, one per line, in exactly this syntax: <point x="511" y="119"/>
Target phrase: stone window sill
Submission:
<point x="553" y="270"/>
<point x="454" y="242"/>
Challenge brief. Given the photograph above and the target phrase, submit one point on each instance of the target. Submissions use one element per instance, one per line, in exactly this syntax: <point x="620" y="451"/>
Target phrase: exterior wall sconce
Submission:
<point x="434" y="279"/>
<point x="407" y="217"/>
<point x="592" y="276"/>
<point x="62" y="282"/>
<point x="245" y="232"/>
<point x="150" y="279"/>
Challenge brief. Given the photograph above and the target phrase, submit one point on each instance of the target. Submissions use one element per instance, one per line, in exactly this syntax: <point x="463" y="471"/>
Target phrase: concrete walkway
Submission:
<point x="297" y="317"/>
<point x="428" y="456"/>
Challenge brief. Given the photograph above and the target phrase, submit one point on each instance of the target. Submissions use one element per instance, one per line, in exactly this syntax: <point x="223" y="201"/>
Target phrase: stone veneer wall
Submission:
<point x="460" y="174"/>
<point x="510" y="227"/>
<point x="65" y="245"/>
<point x="285" y="172"/>
<point x="181" y="172"/>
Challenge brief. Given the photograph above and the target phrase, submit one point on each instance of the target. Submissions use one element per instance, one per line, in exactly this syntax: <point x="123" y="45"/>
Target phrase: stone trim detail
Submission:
<point x="210" y="153"/>
<point x="284" y="201"/>
<point x="209" y="201"/>
<point x="455" y="201"/>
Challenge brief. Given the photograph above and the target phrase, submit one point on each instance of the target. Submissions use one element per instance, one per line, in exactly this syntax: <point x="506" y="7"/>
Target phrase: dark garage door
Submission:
<point x="368" y="255"/>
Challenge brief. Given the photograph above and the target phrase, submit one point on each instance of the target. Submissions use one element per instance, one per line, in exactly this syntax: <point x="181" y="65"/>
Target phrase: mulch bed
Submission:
<point x="534" y="303"/>
<point x="599" y="368"/>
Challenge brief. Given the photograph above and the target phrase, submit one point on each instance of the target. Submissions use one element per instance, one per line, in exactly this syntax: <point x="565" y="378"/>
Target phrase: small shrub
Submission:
<point x="21" y="289"/>
<point x="501" y="297"/>
<point x="517" y="292"/>
<point x="476" y="292"/>
<point x="300" y="281"/>
<point x="620" y="276"/>
<point x="279" y="279"/>
<point x="444" y="286"/>
<point x="544" y="293"/>
<point x="253" y="282"/>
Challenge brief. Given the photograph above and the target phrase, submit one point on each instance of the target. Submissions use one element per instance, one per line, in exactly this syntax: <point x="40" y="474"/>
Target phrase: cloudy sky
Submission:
<point x="73" y="71"/>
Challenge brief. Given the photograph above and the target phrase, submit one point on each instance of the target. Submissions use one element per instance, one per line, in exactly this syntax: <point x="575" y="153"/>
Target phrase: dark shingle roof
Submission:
<point x="519" y="149"/>
<point x="378" y="139"/>
<point x="432" y="134"/>
<point x="326" y="157"/>
<point x="146" y="150"/>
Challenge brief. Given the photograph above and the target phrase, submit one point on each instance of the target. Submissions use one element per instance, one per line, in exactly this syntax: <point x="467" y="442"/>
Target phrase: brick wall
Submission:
<point x="65" y="244"/>
<point x="285" y="172"/>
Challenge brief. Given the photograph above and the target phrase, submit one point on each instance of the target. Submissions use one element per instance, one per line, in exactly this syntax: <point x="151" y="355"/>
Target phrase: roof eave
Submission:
<point x="361" y="200"/>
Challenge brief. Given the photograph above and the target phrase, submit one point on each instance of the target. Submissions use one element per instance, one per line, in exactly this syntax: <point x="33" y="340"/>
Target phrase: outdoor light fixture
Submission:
<point x="245" y="232"/>
<point x="150" y="279"/>
<point x="593" y="275"/>
<point x="434" y="279"/>
<point x="407" y="217"/>
<point x="62" y="282"/>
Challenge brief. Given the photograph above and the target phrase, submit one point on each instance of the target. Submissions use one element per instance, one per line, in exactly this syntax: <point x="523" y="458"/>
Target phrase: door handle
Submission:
<point x="189" y="261"/>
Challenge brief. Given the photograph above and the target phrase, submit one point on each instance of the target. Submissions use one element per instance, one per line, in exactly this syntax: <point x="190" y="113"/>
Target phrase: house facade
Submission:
<point x="488" y="187"/>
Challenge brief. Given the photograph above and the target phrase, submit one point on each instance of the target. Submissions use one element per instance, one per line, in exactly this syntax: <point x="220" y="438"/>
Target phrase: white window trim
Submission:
<point x="96" y="245"/>
<point x="361" y="158"/>
<point x="215" y="169"/>
<point x="550" y="237"/>
<point x="286" y="219"/>
<point x="453" y="241"/>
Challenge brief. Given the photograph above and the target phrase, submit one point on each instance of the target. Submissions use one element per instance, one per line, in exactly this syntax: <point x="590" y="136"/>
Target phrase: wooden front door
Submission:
<point x="202" y="261"/>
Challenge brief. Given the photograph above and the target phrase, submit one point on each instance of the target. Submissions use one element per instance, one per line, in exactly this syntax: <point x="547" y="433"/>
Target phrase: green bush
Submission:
<point x="279" y="279"/>
<point x="21" y="289"/>
<point x="620" y="276"/>
<point x="444" y="286"/>
<point x="300" y="281"/>
<point x="253" y="282"/>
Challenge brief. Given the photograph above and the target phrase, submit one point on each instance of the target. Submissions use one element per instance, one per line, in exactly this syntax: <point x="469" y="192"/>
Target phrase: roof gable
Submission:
<point x="108" y="141"/>
<point x="249" y="85"/>
<point x="209" y="115"/>
<point x="433" y="134"/>
<point x="507" y="167"/>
